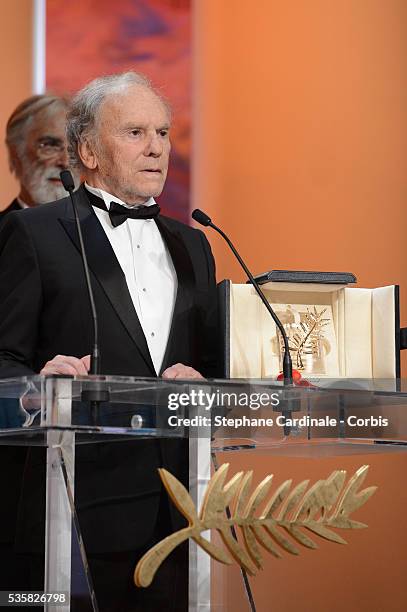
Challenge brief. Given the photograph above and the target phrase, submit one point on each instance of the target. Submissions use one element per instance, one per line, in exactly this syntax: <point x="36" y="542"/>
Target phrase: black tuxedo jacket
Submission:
<point x="44" y="307"/>
<point x="10" y="208"/>
<point x="44" y="311"/>
<point x="13" y="457"/>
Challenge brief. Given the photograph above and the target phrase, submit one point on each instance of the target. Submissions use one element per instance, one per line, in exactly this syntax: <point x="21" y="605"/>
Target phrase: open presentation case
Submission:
<point x="334" y="330"/>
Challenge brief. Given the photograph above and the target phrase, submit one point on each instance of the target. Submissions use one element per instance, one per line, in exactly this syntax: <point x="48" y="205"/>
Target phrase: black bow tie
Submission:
<point x="119" y="214"/>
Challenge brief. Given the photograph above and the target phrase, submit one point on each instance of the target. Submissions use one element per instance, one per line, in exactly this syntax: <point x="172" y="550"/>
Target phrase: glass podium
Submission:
<point x="297" y="433"/>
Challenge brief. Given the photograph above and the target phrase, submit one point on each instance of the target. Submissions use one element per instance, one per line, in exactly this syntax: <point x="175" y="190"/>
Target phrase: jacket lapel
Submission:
<point x="186" y="282"/>
<point x="105" y="267"/>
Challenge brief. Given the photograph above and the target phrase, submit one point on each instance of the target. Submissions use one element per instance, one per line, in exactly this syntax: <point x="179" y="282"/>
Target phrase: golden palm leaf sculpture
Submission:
<point x="326" y="504"/>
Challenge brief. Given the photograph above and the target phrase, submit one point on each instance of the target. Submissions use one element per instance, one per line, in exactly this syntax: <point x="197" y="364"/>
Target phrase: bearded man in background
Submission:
<point x="37" y="148"/>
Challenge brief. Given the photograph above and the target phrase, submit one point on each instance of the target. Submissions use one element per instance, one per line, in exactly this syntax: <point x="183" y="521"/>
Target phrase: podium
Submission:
<point x="255" y="425"/>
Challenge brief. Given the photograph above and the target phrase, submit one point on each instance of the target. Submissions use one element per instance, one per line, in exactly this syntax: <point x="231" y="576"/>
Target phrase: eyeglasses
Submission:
<point x="50" y="148"/>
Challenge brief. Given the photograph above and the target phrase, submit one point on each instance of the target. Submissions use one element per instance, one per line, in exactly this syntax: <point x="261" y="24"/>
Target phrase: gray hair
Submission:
<point x="22" y="117"/>
<point x="85" y="107"/>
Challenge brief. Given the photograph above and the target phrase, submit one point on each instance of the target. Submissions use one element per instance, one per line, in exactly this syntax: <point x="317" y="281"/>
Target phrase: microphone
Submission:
<point x="203" y="219"/>
<point x="69" y="185"/>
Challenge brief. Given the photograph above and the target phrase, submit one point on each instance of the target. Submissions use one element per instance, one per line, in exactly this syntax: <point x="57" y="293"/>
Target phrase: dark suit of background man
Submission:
<point x="154" y="284"/>
<point x="37" y="150"/>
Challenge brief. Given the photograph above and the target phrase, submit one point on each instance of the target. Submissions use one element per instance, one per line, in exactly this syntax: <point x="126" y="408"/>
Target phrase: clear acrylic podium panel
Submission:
<point x="369" y="572"/>
<point x="56" y="413"/>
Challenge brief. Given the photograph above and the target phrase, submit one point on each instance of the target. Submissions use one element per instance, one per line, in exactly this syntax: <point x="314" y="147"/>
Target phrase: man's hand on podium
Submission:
<point x="179" y="370"/>
<point x="64" y="364"/>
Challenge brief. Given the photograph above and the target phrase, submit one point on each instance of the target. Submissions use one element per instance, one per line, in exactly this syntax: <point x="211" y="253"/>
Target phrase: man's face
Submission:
<point x="132" y="146"/>
<point x="42" y="157"/>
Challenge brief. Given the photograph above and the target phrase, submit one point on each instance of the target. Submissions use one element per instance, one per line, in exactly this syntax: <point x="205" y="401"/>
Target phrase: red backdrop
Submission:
<point x="94" y="37"/>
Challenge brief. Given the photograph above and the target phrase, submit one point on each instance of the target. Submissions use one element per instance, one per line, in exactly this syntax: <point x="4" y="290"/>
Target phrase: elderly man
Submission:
<point x="37" y="148"/>
<point x="155" y="293"/>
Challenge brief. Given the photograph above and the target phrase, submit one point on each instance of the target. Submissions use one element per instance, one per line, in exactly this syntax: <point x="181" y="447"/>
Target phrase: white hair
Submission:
<point x="85" y="107"/>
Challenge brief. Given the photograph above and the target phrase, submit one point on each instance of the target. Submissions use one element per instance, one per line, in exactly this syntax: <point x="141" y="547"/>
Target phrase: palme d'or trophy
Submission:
<point x="311" y="338"/>
<point x="297" y="510"/>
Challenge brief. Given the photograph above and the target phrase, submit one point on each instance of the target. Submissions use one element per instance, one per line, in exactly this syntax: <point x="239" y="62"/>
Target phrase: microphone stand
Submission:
<point x="94" y="394"/>
<point x="204" y="219"/>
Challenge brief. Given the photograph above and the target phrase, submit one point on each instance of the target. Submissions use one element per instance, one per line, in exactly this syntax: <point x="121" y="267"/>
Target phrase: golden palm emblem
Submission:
<point x="294" y="511"/>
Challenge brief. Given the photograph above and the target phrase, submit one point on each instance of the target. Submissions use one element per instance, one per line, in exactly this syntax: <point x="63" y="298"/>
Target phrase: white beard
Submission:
<point x="37" y="183"/>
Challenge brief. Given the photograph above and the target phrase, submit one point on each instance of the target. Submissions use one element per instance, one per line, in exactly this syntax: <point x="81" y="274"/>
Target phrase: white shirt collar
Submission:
<point x="108" y="198"/>
<point x="22" y="203"/>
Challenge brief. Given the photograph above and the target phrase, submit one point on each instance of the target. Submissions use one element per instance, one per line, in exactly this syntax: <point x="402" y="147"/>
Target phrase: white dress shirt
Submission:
<point x="149" y="271"/>
<point x="22" y="203"/>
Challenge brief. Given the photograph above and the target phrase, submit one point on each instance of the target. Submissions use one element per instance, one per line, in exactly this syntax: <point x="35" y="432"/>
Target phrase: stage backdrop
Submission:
<point x="15" y="76"/>
<point x="300" y="123"/>
<point x="94" y="37"/>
